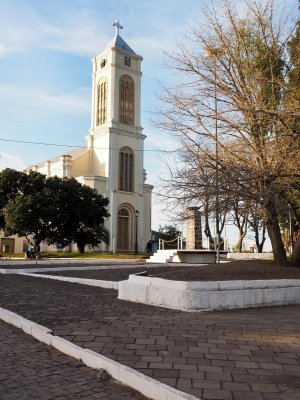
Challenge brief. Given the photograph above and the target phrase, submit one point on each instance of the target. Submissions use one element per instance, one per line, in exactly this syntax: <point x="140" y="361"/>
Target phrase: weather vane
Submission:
<point x="118" y="26"/>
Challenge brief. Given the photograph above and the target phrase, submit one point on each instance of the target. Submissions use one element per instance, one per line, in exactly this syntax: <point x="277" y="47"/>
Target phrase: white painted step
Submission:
<point x="162" y="256"/>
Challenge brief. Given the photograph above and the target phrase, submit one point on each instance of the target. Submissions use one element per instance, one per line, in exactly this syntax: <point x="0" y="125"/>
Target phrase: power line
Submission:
<point x="82" y="147"/>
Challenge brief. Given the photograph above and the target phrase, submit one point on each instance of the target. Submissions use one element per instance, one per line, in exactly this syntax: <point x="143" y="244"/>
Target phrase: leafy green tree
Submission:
<point x="57" y="211"/>
<point x="80" y="213"/>
<point x="28" y="212"/>
<point x="11" y="183"/>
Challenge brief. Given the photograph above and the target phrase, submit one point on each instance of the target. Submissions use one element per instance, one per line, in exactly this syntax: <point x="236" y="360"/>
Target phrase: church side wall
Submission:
<point x="80" y="165"/>
<point x="100" y="157"/>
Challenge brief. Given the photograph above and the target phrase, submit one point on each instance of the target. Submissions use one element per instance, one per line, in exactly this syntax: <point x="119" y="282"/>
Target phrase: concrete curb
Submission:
<point x="112" y="261"/>
<point x="86" y="268"/>
<point x="210" y="295"/>
<point x="39" y="332"/>
<point x="147" y="386"/>
<point x="82" y="281"/>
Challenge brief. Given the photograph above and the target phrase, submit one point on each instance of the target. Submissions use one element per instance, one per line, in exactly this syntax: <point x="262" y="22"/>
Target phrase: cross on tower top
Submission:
<point x="118" y="26"/>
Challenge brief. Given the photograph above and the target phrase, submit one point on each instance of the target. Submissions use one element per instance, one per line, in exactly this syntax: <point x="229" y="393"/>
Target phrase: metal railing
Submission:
<point x="178" y="241"/>
<point x="211" y="245"/>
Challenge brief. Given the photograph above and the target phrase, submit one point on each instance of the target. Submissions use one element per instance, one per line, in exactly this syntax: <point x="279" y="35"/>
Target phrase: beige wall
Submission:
<point x="19" y="244"/>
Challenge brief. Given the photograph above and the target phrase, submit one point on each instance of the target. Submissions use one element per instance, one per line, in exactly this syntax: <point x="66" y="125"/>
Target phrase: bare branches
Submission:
<point x="233" y="81"/>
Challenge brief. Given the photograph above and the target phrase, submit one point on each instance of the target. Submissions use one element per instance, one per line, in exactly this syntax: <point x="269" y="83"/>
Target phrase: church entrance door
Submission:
<point x="123" y="229"/>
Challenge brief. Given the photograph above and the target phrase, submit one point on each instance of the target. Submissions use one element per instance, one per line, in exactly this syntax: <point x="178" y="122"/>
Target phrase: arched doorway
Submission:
<point x="124" y="229"/>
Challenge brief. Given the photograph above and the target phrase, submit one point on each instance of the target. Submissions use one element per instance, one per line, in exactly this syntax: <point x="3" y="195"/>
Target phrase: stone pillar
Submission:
<point x="194" y="229"/>
<point x="48" y="168"/>
<point x="66" y="165"/>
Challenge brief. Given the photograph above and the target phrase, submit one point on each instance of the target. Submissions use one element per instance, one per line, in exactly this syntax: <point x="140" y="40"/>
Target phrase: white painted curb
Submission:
<point x="86" y="268"/>
<point x="82" y="281"/>
<point x="54" y="269"/>
<point x="39" y="332"/>
<point x="209" y="296"/>
<point x="147" y="386"/>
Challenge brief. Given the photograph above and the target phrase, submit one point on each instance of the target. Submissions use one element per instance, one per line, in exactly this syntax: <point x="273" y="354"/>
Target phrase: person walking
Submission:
<point x="149" y="247"/>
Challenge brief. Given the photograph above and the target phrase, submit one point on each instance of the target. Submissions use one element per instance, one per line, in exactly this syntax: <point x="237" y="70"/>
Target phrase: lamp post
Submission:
<point x="217" y="166"/>
<point x="213" y="53"/>
<point x="290" y="231"/>
<point x="136" y="231"/>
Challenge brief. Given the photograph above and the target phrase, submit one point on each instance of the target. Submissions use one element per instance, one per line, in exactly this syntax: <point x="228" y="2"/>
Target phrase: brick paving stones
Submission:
<point x="236" y="270"/>
<point x="31" y="370"/>
<point x="114" y="275"/>
<point x="236" y="355"/>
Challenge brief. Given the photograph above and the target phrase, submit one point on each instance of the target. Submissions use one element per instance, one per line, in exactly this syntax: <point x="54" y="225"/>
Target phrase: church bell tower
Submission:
<point x="116" y="142"/>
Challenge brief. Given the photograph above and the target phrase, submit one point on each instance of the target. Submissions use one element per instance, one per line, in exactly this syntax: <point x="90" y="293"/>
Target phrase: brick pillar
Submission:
<point x="194" y="229"/>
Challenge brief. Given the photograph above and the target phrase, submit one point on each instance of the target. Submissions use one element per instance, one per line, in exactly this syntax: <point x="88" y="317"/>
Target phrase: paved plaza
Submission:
<point x="32" y="370"/>
<point x="235" y="355"/>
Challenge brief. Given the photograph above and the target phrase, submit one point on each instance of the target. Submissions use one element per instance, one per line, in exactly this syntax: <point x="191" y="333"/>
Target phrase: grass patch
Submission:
<point x="95" y="255"/>
<point x="14" y="255"/>
<point x="80" y="256"/>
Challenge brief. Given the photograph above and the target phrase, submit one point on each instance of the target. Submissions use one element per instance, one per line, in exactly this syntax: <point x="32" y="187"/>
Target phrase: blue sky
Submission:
<point x="45" y="69"/>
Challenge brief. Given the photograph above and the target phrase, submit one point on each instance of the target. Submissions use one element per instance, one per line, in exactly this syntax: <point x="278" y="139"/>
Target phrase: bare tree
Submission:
<point x="240" y="212"/>
<point x="229" y="105"/>
<point x="257" y="224"/>
<point x="191" y="182"/>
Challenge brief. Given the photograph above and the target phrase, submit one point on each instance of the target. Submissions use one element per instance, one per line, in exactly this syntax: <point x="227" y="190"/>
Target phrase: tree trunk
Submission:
<point x="81" y="247"/>
<point x="207" y="231"/>
<point x="260" y="247"/>
<point x="295" y="256"/>
<point x="275" y="234"/>
<point x="239" y="245"/>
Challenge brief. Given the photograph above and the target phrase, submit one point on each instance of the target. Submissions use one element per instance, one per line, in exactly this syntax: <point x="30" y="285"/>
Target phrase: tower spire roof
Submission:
<point x="117" y="41"/>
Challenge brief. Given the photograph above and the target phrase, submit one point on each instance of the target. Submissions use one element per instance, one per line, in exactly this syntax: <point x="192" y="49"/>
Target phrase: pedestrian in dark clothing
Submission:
<point x="149" y="247"/>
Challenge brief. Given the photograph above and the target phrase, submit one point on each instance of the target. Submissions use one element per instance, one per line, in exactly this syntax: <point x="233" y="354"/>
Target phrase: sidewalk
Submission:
<point x="245" y="354"/>
<point x="54" y="262"/>
<point x="31" y="370"/>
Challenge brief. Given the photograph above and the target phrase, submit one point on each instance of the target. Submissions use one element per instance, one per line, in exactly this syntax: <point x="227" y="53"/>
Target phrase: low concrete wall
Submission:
<point x="209" y="296"/>
<point x="195" y="256"/>
<point x="249" y="256"/>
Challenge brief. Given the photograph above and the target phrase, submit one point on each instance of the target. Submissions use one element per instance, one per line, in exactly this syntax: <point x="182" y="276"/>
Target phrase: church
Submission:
<point x="112" y="161"/>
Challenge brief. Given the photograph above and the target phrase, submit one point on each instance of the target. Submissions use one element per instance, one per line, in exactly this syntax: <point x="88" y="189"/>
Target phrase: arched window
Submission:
<point x="126" y="168"/>
<point x="123" y="213"/>
<point x="126" y="101"/>
<point x="102" y="102"/>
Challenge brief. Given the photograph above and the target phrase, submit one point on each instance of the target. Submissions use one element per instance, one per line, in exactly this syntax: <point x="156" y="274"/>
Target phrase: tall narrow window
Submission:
<point x="126" y="169"/>
<point x="126" y="101"/>
<point x="102" y="102"/>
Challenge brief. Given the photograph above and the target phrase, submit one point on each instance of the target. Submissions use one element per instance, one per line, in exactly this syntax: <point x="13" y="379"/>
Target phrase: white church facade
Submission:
<point x="112" y="162"/>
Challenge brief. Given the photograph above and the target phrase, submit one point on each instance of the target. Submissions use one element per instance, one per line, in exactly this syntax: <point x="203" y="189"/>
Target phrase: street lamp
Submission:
<point x="290" y="231"/>
<point x="136" y="231"/>
<point x="217" y="166"/>
<point x="213" y="53"/>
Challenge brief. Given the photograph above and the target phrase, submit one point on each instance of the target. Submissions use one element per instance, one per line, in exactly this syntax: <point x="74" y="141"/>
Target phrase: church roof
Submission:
<point x="120" y="43"/>
<point x="73" y="153"/>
